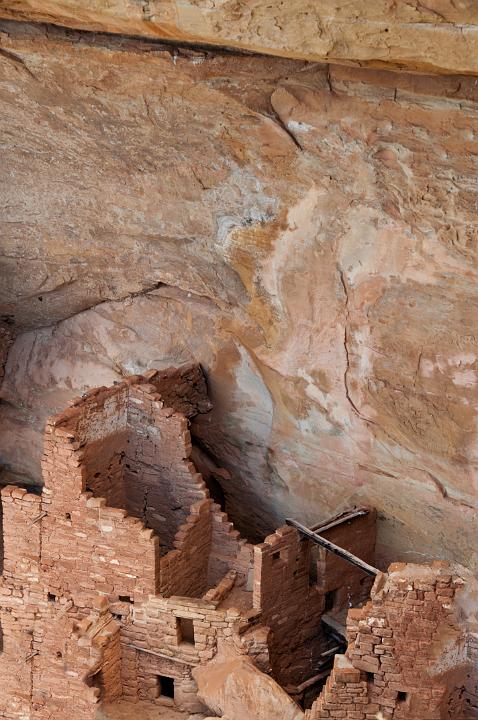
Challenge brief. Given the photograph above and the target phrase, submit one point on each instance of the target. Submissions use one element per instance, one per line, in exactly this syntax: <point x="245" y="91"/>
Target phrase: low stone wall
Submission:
<point x="184" y="571"/>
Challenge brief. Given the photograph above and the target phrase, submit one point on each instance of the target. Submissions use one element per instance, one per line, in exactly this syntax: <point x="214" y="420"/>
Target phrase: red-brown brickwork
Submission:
<point x="21" y="596"/>
<point x="183" y="389"/>
<point x="342" y="584"/>
<point x="158" y="624"/>
<point x="344" y="694"/>
<point x="406" y="648"/>
<point x="124" y="522"/>
<point x="290" y="605"/>
<point x="124" y="575"/>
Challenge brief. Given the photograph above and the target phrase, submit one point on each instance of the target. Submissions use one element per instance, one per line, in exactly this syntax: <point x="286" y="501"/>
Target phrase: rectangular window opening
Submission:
<point x="185" y="628"/>
<point x="401" y="696"/>
<point x="165" y="686"/>
<point x="276" y="555"/>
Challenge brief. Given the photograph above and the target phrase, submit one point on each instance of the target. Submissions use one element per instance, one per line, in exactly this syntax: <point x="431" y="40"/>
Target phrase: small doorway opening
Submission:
<point x="165" y="686"/>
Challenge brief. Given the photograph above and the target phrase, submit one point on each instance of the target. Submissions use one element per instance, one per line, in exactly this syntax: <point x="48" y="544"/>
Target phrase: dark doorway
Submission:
<point x="166" y="686"/>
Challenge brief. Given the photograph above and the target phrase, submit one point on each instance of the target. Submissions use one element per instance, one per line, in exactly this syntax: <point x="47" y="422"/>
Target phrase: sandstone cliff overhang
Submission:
<point x="440" y="36"/>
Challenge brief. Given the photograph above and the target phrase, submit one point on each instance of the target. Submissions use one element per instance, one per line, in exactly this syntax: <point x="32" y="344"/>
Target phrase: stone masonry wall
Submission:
<point x="74" y="555"/>
<point x="21" y="598"/>
<point x="157" y="624"/>
<point x="81" y="617"/>
<point x="160" y="482"/>
<point x="345" y="695"/>
<point x="183" y="389"/>
<point x="290" y="605"/>
<point x="103" y="466"/>
<point x="229" y="551"/>
<point x="405" y="647"/>
<point x="342" y="583"/>
<point x="184" y="571"/>
<point x="154" y="478"/>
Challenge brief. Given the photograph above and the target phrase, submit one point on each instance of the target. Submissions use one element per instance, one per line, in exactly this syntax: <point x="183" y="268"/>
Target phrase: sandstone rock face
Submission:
<point x="437" y="36"/>
<point x="233" y="687"/>
<point x="307" y="233"/>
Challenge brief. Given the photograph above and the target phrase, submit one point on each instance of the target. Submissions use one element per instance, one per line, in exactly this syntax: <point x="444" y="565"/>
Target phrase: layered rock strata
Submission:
<point x="307" y="233"/>
<point x="438" y="36"/>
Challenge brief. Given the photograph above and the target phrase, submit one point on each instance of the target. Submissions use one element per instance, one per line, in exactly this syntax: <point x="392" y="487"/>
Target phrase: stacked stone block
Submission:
<point x="402" y="632"/>
<point x="344" y="694"/>
<point x="343" y="584"/>
<point x="229" y="550"/>
<point x="20" y="598"/>
<point x="157" y="624"/>
<point x="182" y="388"/>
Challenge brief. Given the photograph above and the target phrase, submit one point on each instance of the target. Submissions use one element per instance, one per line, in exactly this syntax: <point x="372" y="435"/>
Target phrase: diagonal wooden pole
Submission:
<point x="331" y="547"/>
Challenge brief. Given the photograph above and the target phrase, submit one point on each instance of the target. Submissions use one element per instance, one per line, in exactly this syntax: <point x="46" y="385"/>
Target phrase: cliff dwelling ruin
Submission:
<point x="124" y="582"/>
<point x="238" y="360"/>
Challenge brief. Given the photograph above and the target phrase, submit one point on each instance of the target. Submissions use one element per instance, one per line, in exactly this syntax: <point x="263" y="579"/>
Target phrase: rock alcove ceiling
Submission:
<point x="307" y="231"/>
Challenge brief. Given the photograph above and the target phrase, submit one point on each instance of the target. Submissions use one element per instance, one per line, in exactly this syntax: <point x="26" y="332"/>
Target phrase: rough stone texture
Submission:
<point x="439" y="35"/>
<point x="289" y="606"/>
<point x="329" y="291"/>
<point x="358" y="536"/>
<point x="407" y="649"/>
<point x="144" y="710"/>
<point x="6" y="340"/>
<point x="84" y="595"/>
<point x="233" y="687"/>
<point x="91" y="614"/>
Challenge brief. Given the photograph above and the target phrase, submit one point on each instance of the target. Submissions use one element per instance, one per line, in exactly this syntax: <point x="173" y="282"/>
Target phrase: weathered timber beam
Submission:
<point x="162" y="655"/>
<point x="322" y="527"/>
<point x="299" y="689"/>
<point x="331" y="547"/>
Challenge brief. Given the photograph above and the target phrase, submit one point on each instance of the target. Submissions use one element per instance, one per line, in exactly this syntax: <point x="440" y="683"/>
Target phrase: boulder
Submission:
<point x="231" y="686"/>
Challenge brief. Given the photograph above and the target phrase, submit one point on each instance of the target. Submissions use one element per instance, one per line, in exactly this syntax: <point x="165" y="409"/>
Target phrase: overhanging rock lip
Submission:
<point x="387" y="40"/>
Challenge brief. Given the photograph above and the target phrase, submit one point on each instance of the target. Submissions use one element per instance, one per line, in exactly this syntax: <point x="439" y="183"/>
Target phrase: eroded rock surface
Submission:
<point x="233" y="687"/>
<point x="437" y="36"/>
<point x="307" y="233"/>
